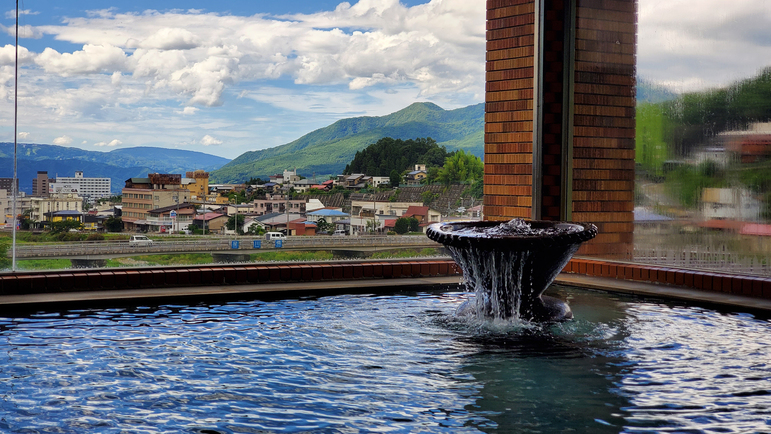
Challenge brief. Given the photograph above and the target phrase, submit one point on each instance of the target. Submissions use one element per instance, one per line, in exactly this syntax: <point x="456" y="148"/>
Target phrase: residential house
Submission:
<point x="368" y="208"/>
<point x="354" y="181"/>
<point x="274" y="203"/>
<point x="380" y="181"/>
<point x="415" y="177"/>
<point x="66" y="215"/>
<point x="303" y="185"/>
<point x="239" y="209"/>
<point x="211" y="221"/>
<point x="330" y="215"/>
<point x="301" y="227"/>
<point x="424" y="215"/>
<point x="277" y="221"/>
<point x="42" y="208"/>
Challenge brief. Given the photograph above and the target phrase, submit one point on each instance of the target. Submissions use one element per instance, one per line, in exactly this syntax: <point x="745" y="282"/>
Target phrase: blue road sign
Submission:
<point x="279" y="244"/>
<point x="234" y="244"/>
<point x="257" y="244"/>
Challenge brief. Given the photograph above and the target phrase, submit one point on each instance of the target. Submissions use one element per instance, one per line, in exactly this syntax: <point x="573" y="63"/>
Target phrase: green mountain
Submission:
<point x="118" y="165"/>
<point x="328" y="150"/>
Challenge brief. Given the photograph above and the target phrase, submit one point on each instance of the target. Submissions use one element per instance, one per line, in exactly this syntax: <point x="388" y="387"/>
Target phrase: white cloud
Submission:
<point x="688" y="47"/>
<point x="23" y="134"/>
<point x="92" y="59"/>
<point x="8" y="55"/>
<point x="136" y="73"/>
<point x="112" y="143"/>
<point x="25" y="31"/>
<point x="171" y="39"/>
<point x="208" y="140"/>
<point x="62" y="141"/>
<point x="12" y="13"/>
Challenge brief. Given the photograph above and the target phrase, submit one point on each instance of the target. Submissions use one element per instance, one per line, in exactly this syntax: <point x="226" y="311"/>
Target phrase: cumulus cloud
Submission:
<point x="208" y="140"/>
<point x="691" y="47"/>
<point x="92" y="59"/>
<point x="23" y="134"/>
<point x="190" y="110"/>
<point x="197" y="56"/>
<point x="171" y="39"/>
<point x="112" y="143"/>
<point x="8" y="55"/>
<point x="62" y="141"/>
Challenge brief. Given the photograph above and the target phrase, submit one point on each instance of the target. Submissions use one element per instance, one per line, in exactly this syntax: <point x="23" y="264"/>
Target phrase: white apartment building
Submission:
<point x="89" y="188"/>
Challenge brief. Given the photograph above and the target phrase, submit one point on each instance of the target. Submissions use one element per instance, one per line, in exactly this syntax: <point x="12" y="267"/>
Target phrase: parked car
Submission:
<point x="140" y="240"/>
<point x="339" y="233"/>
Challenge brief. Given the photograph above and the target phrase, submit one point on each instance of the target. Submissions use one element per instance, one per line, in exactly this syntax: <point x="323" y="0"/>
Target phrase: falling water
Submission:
<point x="504" y="280"/>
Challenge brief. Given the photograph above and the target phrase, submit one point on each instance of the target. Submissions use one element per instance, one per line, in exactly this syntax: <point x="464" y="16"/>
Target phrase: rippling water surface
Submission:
<point x="398" y="363"/>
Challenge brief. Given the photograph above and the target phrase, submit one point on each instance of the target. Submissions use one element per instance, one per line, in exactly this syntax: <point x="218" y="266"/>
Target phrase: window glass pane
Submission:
<point x="703" y="137"/>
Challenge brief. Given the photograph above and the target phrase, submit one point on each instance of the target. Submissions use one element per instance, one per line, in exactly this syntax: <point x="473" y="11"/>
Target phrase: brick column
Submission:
<point x="583" y="145"/>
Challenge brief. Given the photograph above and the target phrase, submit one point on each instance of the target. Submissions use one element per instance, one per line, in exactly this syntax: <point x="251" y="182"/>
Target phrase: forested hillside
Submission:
<point x="388" y="154"/>
<point x="328" y="150"/>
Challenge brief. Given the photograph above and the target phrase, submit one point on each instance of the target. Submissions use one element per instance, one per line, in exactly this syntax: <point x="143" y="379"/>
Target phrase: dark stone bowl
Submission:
<point x="538" y="259"/>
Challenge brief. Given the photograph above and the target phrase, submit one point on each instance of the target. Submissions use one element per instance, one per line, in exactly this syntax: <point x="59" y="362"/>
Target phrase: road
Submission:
<point x="107" y="249"/>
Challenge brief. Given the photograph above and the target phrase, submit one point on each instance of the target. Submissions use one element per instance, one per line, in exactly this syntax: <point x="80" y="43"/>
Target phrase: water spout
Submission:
<point x="509" y="265"/>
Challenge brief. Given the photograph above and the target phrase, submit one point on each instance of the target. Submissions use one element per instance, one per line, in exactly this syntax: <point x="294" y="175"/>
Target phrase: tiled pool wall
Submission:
<point x="85" y="280"/>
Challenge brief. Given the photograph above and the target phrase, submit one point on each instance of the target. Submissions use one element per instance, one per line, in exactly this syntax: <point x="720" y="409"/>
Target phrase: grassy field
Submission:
<point x="206" y="258"/>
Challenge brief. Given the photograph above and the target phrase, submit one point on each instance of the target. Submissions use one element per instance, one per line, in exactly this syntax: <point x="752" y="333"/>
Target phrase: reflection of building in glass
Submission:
<point x="751" y="145"/>
<point x="729" y="203"/>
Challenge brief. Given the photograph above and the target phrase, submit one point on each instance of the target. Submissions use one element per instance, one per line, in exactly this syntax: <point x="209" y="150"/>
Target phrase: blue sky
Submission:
<point x="234" y="76"/>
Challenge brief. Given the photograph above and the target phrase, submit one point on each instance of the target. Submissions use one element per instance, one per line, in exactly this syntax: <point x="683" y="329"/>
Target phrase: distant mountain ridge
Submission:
<point x="118" y="165"/>
<point x="328" y="150"/>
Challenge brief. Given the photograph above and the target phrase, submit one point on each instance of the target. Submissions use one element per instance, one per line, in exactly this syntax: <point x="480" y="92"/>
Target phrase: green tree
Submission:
<point x="256" y="229"/>
<point x="413" y="224"/>
<point x="323" y="226"/>
<point x="461" y="168"/>
<point x="236" y="222"/>
<point x="402" y="225"/>
<point x="113" y="224"/>
<point x="427" y="197"/>
<point x="396" y="178"/>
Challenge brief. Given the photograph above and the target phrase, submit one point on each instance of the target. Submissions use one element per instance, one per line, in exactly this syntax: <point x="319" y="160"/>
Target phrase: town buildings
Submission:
<point x="88" y="188"/>
<point x="141" y="195"/>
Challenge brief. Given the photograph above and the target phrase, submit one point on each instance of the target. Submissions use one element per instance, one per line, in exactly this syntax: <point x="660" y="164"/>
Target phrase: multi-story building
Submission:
<point x="141" y="195"/>
<point x="89" y="188"/>
<point x="278" y="203"/>
<point x="44" y="207"/>
<point x="198" y="184"/>
<point x="7" y="183"/>
<point x="40" y="184"/>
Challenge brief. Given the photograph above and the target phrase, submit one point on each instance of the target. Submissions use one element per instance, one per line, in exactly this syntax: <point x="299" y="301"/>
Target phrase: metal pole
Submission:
<point x="14" y="182"/>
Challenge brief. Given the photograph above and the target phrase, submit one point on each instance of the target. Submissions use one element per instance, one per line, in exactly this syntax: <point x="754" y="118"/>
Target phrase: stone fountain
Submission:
<point x="509" y="265"/>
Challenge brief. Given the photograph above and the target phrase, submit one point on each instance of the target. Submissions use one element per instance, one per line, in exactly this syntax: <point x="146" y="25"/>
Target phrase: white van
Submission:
<point x="339" y="233"/>
<point x="271" y="236"/>
<point x="140" y="240"/>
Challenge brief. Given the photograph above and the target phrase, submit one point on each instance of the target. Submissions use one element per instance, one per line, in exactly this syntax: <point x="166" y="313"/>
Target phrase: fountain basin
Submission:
<point x="509" y="265"/>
